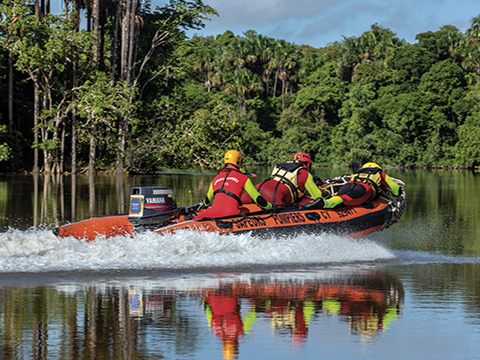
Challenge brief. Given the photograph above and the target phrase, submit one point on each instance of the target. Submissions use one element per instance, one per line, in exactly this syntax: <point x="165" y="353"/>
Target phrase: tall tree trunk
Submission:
<point x="275" y="84"/>
<point x="36" y="112"/>
<point x="96" y="26"/>
<point x="37" y="10"/>
<point x="121" y="144"/>
<point x="74" y="81"/>
<point x="35" y="198"/>
<point x="73" y="197"/>
<point x="131" y="43"/>
<point x="115" y="41"/>
<point x="62" y="149"/>
<point x="36" y="104"/>
<point x="128" y="57"/>
<point x="125" y="40"/>
<point x="48" y="162"/>
<point x="91" y="155"/>
<point x="89" y="19"/>
<point x="74" y="141"/>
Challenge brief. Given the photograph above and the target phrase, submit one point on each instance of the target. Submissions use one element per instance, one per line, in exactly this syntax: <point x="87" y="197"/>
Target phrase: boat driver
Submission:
<point x="226" y="189"/>
<point x="289" y="182"/>
<point x="364" y="185"/>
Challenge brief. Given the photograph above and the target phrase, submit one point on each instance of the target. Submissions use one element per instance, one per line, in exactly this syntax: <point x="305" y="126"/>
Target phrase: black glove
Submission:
<point x="317" y="181"/>
<point x="325" y="193"/>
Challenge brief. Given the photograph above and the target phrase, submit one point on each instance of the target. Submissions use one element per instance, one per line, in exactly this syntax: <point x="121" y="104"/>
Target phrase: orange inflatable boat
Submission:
<point x="154" y="208"/>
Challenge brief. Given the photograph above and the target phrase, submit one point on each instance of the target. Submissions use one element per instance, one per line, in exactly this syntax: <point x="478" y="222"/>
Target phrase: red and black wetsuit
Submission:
<point x="283" y="194"/>
<point x="357" y="192"/>
<point x="225" y="192"/>
<point x="281" y="191"/>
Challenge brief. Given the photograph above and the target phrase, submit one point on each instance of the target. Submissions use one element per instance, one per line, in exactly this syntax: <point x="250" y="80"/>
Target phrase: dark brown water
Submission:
<point x="411" y="291"/>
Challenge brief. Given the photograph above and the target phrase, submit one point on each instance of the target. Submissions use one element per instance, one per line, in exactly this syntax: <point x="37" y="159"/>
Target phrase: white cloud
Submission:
<point x="319" y="22"/>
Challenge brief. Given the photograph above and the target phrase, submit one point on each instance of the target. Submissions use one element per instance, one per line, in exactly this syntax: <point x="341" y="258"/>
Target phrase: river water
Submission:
<point x="411" y="291"/>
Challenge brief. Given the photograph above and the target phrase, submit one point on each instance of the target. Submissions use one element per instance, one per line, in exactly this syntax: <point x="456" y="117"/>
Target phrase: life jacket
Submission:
<point x="287" y="174"/>
<point x="229" y="193"/>
<point x="371" y="176"/>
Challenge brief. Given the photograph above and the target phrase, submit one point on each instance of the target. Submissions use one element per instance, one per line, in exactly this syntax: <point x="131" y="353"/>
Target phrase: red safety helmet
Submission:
<point x="303" y="157"/>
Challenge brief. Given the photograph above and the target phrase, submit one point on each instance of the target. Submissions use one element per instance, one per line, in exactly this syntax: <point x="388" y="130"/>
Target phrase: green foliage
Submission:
<point x="467" y="149"/>
<point x="5" y="150"/>
<point x="368" y="97"/>
<point x="204" y="138"/>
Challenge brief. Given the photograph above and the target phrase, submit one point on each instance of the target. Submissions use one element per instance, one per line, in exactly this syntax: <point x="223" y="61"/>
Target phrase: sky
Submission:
<point x="320" y="22"/>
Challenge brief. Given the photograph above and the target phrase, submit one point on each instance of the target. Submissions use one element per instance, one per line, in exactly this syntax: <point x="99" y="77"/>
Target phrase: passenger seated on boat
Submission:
<point x="289" y="182"/>
<point x="365" y="184"/>
<point x="226" y="189"/>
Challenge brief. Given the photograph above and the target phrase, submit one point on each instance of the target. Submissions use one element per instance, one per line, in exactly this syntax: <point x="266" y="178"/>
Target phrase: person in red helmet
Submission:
<point x="227" y="188"/>
<point x="289" y="182"/>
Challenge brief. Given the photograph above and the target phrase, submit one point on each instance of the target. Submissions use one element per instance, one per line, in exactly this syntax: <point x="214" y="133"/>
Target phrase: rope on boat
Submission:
<point x="396" y="204"/>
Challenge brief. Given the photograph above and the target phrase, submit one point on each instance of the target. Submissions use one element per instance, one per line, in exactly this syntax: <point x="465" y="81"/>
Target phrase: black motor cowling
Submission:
<point x="152" y="205"/>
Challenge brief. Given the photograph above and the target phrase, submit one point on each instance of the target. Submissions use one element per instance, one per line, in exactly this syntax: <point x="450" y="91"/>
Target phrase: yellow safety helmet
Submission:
<point x="372" y="164"/>
<point x="232" y="157"/>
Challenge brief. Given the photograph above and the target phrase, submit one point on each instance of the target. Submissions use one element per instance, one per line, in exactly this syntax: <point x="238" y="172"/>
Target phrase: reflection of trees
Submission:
<point x="58" y="327"/>
<point x="53" y="200"/>
<point x="447" y="281"/>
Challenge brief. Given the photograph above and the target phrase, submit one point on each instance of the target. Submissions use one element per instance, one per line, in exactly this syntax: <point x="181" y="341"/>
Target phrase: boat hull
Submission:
<point x="101" y="226"/>
<point x="354" y="221"/>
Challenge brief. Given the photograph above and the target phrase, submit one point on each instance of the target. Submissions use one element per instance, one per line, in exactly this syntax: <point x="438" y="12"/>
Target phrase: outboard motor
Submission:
<point x="152" y="205"/>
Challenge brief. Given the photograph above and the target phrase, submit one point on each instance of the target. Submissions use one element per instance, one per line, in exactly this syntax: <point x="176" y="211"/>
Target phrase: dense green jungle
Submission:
<point x="130" y="91"/>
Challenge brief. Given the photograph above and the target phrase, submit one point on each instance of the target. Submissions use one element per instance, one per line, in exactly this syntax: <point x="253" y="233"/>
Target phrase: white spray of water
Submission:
<point x="41" y="251"/>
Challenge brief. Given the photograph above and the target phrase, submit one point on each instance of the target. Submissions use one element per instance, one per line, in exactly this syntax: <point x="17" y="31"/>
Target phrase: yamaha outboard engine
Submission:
<point x="152" y="205"/>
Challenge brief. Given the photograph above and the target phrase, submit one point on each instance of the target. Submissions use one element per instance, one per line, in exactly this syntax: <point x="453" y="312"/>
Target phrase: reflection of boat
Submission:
<point x="368" y="301"/>
<point x="155" y="208"/>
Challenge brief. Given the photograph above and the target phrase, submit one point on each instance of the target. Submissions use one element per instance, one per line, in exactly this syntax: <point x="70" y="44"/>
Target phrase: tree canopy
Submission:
<point x="131" y="92"/>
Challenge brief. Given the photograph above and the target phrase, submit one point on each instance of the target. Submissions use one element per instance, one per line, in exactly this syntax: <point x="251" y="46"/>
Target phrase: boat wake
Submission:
<point x="40" y="251"/>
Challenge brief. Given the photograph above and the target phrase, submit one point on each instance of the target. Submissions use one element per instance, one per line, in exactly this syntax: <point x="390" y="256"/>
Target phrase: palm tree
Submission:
<point x="472" y="60"/>
<point x="473" y="32"/>
<point x="264" y="48"/>
<point x="285" y="59"/>
<point x="244" y="83"/>
<point x="242" y="53"/>
<point x="374" y="45"/>
<point x="205" y="66"/>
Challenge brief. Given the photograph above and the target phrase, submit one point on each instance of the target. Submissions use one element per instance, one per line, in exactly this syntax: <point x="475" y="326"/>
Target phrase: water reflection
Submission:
<point x="95" y="321"/>
<point x="367" y="301"/>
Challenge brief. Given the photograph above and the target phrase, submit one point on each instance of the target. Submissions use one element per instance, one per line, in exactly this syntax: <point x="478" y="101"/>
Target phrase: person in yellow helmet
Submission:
<point x="364" y="185"/>
<point x="224" y="194"/>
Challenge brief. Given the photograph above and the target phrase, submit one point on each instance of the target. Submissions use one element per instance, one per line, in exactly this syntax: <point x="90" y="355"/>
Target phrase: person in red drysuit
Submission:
<point x="227" y="188"/>
<point x="227" y="323"/>
<point x="365" y="184"/>
<point x="289" y="182"/>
